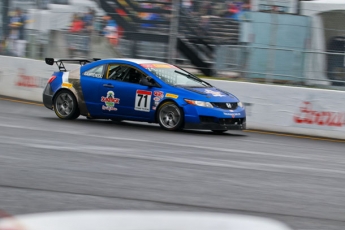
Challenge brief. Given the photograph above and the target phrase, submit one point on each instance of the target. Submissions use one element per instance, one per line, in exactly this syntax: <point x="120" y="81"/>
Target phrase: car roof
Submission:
<point x="124" y="60"/>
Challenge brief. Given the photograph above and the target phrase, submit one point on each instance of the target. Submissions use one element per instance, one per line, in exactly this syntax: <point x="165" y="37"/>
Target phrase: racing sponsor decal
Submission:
<point x="157" y="65"/>
<point x="66" y="85"/>
<point x="143" y="100"/>
<point x="214" y="93"/>
<point x="171" y="95"/>
<point x="157" y="98"/>
<point x="110" y="101"/>
<point x="156" y="103"/>
<point x="158" y="94"/>
<point x="307" y="115"/>
<point x="154" y="107"/>
<point x="27" y="81"/>
<point x="233" y="115"/>
<point x="97" y="75"/>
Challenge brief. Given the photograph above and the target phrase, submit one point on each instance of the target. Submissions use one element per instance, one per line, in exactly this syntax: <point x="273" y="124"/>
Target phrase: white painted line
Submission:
<point x="213" y="149"/>
<point x="201" y="161"/>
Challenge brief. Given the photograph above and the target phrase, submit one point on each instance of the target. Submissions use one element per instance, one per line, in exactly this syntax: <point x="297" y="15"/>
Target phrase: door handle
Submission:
<point x="108" y="85"/>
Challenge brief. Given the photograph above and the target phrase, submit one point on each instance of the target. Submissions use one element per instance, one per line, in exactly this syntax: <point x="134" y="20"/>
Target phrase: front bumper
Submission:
<point x="214" y="118"/>
<point x="219" y="124"/>
<point x="48" y="97"/>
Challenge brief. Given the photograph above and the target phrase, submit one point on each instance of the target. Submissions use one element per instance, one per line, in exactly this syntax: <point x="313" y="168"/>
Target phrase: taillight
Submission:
<point x="52" y="78"/>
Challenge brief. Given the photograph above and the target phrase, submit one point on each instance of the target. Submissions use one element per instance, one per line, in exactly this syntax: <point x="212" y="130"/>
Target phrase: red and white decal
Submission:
<point x="158" y="94"/>
<point x="143" y="100"/>
<point x="28" y="81"/>
<point x="156" y="98"/>
<point x="320" y="118"/>
<point x="157" y="65"/>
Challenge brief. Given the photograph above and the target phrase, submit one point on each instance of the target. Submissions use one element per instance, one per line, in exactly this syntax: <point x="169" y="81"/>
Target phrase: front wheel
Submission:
<point x="66" y="106"/>
<point x="170" y="116"/>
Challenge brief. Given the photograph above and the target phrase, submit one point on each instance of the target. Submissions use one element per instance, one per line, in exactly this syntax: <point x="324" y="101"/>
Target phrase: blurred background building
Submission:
<point x="279" y="42"/>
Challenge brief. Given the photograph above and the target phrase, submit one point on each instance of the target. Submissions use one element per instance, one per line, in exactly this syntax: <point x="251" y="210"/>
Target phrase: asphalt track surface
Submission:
<point x="47" y="164"/>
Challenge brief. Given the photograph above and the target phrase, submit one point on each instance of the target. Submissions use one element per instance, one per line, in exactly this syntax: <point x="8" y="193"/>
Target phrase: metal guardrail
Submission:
<point x="250" y="63"/>
<point x="242" y="62"/>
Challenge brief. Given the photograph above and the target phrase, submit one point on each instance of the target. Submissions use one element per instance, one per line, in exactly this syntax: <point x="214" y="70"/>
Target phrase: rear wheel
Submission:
<point x="219" y="131"/>
<point x="66" y="106"/>
<point x="170" y="116"/>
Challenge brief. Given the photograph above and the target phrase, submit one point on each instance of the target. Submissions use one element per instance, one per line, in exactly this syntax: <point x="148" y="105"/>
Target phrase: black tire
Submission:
<point x="115" y="120"/>
<point x="66" y="106"/>
<point x="170" y="116"/>
<point x="219" y="131"/>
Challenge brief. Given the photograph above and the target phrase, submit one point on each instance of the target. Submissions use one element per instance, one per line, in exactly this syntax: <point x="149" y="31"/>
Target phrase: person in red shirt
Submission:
<point x="77" y="24"/>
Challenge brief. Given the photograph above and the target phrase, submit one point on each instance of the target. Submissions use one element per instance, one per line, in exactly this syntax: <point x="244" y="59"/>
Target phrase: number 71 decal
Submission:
<point x="143" y="100"/>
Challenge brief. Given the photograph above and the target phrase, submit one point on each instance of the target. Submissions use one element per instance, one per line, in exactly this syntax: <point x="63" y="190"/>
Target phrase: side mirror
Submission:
<point x="147" y="82"/>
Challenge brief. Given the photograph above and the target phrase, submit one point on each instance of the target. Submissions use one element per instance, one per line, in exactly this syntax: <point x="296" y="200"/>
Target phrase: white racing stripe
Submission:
<point x="65" y="76"/>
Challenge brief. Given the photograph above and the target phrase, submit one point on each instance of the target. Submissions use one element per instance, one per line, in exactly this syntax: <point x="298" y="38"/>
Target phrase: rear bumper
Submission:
<point x="48" y="97"/>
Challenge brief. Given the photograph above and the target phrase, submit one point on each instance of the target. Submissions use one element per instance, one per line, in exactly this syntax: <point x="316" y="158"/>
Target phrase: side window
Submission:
<point x="133" y="76"/>
<point x="96" y="72"/>
<point x="124" y="73"/>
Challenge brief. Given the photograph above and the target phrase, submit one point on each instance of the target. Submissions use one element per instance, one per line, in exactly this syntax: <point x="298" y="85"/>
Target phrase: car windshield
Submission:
<point x="175" y="76"/>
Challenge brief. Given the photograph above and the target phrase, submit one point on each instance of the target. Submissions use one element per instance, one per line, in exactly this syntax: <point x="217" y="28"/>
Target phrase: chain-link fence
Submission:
<point x="223" y="39"/>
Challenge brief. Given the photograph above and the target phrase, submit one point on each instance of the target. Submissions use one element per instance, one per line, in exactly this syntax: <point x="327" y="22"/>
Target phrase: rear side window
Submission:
<point x="96" y="72"/>
<point x="117" y="72"/>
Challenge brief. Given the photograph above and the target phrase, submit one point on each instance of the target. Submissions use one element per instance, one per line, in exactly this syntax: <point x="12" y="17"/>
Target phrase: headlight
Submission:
<point x="240" y="104"/>
<point x="199" y="103"/>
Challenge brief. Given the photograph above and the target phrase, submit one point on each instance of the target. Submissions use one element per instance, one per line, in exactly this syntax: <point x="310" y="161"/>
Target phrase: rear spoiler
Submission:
<point x="59" y="62"/>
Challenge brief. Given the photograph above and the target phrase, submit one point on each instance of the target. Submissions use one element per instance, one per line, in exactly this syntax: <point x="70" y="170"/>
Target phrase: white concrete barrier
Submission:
<point x="296" y="110"/>
<point x="24" y="78"/>
<point x="274" y="108"/>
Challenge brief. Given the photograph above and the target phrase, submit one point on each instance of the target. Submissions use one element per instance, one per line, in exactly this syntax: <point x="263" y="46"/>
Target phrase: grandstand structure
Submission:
<point x="147" y="23"/>
<point x="145" y="29"/>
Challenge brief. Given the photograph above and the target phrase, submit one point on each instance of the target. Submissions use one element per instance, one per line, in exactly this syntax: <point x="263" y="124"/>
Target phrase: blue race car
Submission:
<point x="141" y="90"/>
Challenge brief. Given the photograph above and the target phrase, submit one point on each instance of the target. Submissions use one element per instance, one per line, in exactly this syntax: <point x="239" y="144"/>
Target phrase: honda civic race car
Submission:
<point x="141" y="90"/>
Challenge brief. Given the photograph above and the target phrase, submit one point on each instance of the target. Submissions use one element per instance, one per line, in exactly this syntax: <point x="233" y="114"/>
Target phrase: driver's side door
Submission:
<point x="123" y="95"/>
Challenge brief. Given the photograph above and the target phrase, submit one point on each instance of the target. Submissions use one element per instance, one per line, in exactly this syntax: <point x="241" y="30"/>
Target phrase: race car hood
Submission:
<point x="211" y="94"/>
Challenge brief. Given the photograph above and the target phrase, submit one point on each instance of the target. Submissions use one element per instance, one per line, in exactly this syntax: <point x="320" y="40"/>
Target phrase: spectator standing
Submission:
<point x="17" y="25"/>
<point x="206" y="8"/>
<point x="88" y="20"/>
<point x="73" y="38"/>
<point x="188" y="5"/>
<point x="98" y="25"/>
<point x="77" y="24"/>
<point x="233" y="11"/>
<point x="205" y="23"/>
<point x="111" y="31"/>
